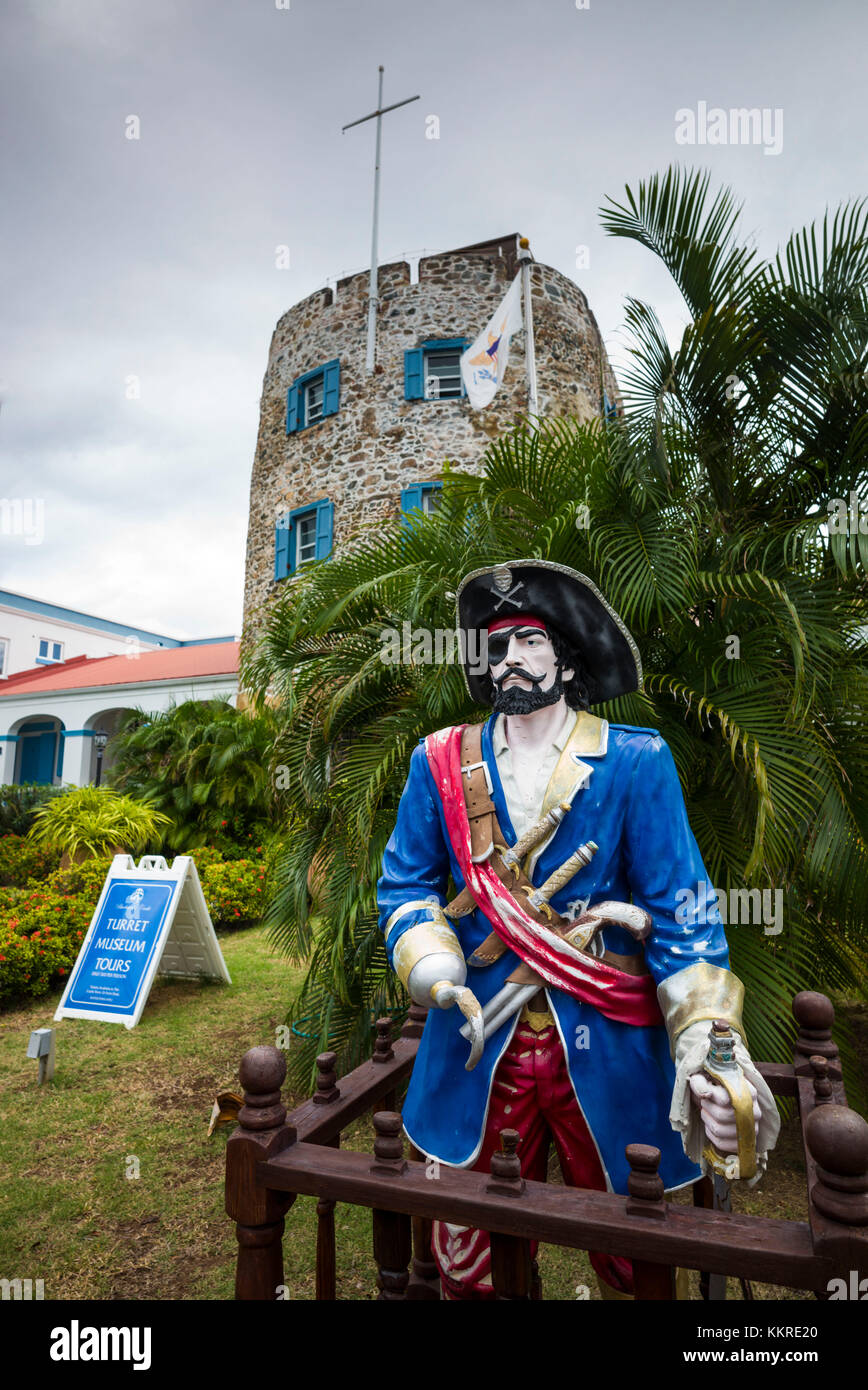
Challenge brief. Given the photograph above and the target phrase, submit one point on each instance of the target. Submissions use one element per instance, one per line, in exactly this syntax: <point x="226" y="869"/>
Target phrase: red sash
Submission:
<point x="624" y="998"/>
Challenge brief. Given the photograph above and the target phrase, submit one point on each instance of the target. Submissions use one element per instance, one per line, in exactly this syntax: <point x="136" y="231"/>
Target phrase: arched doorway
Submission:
<point x="107" y="722"/>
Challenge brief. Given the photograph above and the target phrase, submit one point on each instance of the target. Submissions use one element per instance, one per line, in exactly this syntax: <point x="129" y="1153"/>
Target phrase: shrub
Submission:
<point x="93" y="820"/>
<point x="18" y="805"/>
<point x="234" y="891"/>
<point x="28" y="964"/>
<point x="23" y="862"/>
<point x="204" y="857"/>
<point x="208" y="766"/>
<point x="9" y="897"/>
<point x="40" y="939"/>
<point x="85" y="879"/>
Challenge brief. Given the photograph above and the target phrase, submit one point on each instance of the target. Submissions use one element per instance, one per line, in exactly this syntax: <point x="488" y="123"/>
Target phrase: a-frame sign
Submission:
<point x="150" y="920"/>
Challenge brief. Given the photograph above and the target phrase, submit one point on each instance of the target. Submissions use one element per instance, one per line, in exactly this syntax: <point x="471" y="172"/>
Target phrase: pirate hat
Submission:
<point x="563" y="599"/>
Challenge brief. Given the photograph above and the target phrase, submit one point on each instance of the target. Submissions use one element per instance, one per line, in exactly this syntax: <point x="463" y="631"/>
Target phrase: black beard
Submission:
<point x="518" y="701"/>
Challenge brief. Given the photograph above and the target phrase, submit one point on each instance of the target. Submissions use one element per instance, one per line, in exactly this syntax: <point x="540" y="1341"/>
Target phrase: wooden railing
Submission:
<point x="272" y="1157"/>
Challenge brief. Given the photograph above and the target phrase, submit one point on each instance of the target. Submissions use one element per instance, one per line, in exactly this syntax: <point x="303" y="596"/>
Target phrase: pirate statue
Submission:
<point x="570" y="992"/>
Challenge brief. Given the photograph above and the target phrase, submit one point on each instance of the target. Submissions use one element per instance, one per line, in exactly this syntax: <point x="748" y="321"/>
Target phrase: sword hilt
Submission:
<point x="722" y="1068"/>
<point x="539" y="898"/>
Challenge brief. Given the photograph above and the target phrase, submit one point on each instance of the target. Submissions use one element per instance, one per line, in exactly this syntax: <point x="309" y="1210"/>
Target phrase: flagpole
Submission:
<point x="373" y="284"/>
<point x="524" y="258"/>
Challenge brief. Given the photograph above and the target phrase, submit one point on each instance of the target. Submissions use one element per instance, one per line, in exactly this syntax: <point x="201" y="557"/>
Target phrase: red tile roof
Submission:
<point x="164" y="664"/>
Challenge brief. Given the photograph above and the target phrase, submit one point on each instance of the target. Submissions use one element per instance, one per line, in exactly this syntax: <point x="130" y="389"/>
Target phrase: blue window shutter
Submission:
<point x="324" y="522"/>
<point x="413" y="368"/>
<point x="292" y="408"/>
<point x="282" y="566"/>
<point x="411" y="497"/>
<point x="331" y="394"/>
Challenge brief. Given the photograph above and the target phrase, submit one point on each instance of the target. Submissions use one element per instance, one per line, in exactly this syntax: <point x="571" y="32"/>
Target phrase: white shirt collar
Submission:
<point x="500" y="745"/>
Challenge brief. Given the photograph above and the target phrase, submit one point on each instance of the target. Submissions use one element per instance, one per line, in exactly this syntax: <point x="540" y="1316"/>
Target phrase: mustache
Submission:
<point x="517" y="671"/>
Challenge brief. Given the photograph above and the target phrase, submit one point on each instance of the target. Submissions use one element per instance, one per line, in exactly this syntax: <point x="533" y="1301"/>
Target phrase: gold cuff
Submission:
<point x="416" y="905"/>
<point x="425" y="939"/>
<point x="701" y="991"/>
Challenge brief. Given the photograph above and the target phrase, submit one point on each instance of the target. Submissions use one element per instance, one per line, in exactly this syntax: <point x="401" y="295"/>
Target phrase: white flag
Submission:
<point x="483" y="364"/>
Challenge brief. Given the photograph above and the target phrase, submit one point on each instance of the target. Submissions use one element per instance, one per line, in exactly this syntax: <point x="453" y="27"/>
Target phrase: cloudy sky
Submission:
<point x="139" y="284"/>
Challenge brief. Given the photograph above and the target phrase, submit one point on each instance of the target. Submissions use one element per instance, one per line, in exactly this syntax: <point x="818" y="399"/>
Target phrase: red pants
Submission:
<point x="532" y="1094"/>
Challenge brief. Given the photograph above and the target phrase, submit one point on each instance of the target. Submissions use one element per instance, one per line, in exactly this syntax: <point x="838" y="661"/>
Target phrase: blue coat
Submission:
<point x="631" y="805"/>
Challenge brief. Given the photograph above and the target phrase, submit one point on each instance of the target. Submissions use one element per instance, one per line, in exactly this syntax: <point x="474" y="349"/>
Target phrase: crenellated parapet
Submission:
<point x="367" y="439"/>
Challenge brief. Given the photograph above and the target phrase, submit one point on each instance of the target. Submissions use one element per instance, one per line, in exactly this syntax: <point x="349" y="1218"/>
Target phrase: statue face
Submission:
<point x="524" y="670"/>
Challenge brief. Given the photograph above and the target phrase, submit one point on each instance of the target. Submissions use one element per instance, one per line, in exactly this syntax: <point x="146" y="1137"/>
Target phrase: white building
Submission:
<point x="51" y="714"/>
<point x="35" y="633"/>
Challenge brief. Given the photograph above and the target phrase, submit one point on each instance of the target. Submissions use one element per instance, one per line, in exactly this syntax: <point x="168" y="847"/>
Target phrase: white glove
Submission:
<point x="700" y="1108"/>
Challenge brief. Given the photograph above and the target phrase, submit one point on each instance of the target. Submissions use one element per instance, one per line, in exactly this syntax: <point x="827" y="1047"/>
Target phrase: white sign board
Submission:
<point x="150" y="920"/>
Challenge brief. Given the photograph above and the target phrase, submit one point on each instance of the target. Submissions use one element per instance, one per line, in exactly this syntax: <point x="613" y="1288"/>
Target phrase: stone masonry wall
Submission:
<point x="378" y="442"/>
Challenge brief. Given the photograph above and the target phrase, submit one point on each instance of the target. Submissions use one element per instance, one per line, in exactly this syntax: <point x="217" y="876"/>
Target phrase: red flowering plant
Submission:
<point x="42" y="928"/>
<point x="234" y="891"/>
<point x="29" y="963"/>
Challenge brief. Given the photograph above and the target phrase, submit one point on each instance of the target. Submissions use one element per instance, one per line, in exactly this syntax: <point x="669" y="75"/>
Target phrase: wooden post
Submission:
<point x="391" y="1229"/>
<point x="415" y="1023"/>
<point x="837" y="1141"/>
<point x="703" y="1197"/>
<point x="645" y="1186"/>
<point x="815" y="1015"/>
<point x="424" y="1286"/>
<point x="511" y="1264"/>
<point x="326" y="1261"/>
<point x="257" y="1211"/>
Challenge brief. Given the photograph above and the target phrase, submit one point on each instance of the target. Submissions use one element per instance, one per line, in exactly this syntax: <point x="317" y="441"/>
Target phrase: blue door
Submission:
<point x="37" y="754"/>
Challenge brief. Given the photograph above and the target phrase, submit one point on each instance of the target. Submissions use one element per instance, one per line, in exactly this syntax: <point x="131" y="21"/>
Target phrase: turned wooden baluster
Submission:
<point x="384" y="1052"/>
<point x="257" y="1211"/>
<point x="424" y="1286"/>
<point x="511" y="1265"/>
<point x="391" y="1229"/>
<point x="823" y="1092"/>
<point x="645" y="1186"/>
<point x="326" y="1093"/>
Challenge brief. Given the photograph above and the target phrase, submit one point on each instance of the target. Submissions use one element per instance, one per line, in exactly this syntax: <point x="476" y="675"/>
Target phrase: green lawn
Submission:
<point x="71" y="1215"/>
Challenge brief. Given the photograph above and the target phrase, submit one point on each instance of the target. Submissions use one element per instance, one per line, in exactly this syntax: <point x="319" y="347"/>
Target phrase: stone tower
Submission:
<point x="339" y="449"/>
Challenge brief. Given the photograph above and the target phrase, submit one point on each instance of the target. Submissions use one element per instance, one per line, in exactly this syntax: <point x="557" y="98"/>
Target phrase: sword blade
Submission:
<point x="507" y="1000"/>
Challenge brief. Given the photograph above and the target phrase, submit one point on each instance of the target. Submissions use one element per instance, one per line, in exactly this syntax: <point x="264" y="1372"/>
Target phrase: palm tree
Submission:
<point x="702" y="515"/>
<point x="206" y="764"/>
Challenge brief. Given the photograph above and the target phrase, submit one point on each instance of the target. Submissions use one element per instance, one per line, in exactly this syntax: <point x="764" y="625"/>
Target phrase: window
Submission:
<point x="423" y="497"/>
<point x="305" y="538"/>
<point x="49" y="651"/>
<point x="313" y="396"/>
<point x="4" y="649"/>
<point x="432" y="372"/>
<point x="301" y="536"/>
<point x="610" y="408"/>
